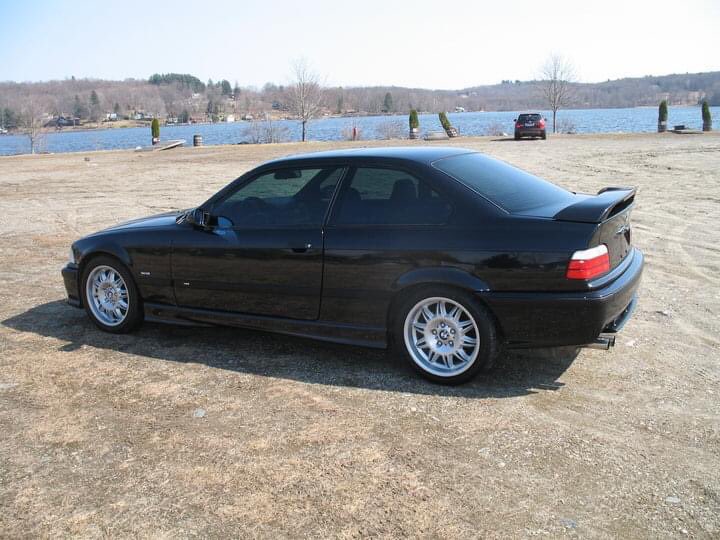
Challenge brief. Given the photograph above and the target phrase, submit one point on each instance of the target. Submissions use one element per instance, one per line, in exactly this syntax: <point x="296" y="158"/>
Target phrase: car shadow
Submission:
<point x="270" y="355"/>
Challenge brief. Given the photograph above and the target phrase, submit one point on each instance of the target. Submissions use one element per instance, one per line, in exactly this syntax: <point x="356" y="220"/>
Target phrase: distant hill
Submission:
<point x="184" y="96"/>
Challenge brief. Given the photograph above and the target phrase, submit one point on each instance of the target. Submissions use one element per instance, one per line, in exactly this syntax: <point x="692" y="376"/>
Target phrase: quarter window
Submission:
<point x="390" y="197"/>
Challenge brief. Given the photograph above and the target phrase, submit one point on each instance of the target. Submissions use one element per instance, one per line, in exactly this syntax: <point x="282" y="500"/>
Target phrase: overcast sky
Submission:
<point x="418" y="43"/>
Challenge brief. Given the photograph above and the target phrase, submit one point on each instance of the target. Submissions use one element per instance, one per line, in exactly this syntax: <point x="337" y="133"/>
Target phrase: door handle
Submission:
<point x="302" y="249"/>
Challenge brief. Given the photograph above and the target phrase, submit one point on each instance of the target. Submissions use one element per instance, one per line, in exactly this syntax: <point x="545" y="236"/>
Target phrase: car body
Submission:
<point x="344" y="245"/>
<point x="530" y="125"/>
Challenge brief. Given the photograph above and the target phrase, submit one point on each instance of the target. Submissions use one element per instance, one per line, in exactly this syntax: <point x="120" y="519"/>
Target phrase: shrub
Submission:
<point x="352" y="132"/>
<point x="414" y="121"/>
<point x="706" y="116"/>
<point x="566" y="125"/>
<point x="495" y="129"/>
<point x="444" y="121"/>
<point x="389" y="129"/>
<point x="155" y="128"/>
<point x="663" y="111"/>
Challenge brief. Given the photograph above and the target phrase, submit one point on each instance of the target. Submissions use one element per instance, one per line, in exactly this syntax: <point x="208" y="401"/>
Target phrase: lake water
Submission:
<point x="371" y="127"/>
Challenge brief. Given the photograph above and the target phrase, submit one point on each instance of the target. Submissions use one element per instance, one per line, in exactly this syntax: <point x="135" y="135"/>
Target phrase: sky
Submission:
<point x="420" y="43"/>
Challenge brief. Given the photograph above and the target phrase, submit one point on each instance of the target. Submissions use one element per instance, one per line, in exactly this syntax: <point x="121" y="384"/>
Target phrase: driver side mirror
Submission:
<point x="199" y="218"/>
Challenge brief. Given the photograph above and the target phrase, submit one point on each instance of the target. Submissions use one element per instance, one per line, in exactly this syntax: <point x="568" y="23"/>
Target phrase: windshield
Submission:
<point x="512" y="189"/>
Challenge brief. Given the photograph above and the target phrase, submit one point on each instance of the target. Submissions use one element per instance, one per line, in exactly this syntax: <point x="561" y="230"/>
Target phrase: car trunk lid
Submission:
<point x="610" y="209"/>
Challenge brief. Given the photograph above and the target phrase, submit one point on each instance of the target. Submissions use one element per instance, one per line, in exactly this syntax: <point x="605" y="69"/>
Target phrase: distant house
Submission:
<point x="230" y="118"/>
<point x="62" y="121"/>
<point x="111" y="117"/>
<point x="459" y="109"/>
<point x="141" y="115"/>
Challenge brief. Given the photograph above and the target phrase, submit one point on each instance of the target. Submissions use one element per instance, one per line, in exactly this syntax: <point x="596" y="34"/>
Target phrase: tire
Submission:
<point x="420" y="317"/>
<point x="105" y="309"/>
<point x="517" y="136"/>
<point x="544" y="135"/>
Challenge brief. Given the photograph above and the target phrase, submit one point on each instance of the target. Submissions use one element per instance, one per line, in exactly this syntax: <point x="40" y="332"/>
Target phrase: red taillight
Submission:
<point x="518" y="125"/>
<point x="589" y="263"/>
<point x="541" y="123"/>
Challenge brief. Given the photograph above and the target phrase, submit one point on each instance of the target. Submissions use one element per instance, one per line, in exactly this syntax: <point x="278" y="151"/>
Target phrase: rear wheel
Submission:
<point x="446" y="335"/>
<point x="544" y="135"/>
<point x="517" y="136"/>
<point x="111" y="298"/>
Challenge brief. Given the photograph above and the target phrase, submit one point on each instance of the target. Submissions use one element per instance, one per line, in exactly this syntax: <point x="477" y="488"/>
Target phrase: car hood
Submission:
<point x="150" y="222"/>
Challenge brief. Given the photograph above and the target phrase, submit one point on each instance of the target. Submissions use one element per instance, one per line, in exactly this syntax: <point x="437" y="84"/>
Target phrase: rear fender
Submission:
<point x="440" y="275"/>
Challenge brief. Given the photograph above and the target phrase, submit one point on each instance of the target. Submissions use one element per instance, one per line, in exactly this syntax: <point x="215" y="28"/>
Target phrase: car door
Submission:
<point x="263" y="251"/>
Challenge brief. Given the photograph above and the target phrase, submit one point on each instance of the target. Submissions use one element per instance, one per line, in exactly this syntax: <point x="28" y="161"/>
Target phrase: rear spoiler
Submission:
<point x="597" y="208"/>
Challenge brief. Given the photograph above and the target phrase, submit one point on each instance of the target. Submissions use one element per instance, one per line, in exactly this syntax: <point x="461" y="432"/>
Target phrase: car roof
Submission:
<point x="421" y="154"/>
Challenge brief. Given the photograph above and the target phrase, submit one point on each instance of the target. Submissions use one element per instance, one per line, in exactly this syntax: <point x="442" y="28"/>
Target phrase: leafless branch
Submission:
<point x="558" y="74"/>
<point x="305" y="94"/>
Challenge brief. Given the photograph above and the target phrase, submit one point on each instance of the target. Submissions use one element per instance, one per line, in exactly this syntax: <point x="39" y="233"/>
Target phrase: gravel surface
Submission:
<point x="180" y="432"/>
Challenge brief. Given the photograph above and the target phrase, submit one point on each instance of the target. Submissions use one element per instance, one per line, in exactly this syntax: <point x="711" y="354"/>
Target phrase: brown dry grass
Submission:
<point x="306" y="439"/>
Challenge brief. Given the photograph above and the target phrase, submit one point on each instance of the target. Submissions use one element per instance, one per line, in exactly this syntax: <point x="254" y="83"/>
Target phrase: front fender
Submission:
<point x="87" y="247"/>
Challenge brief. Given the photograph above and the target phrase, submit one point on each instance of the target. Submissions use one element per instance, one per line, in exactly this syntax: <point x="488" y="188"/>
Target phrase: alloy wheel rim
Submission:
<point x="107" y="295"/>
<point x="442" y="336"/>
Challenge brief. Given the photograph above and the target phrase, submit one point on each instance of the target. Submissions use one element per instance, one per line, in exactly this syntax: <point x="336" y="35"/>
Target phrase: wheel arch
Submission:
<point x="106" y="250"/>
<point x="454" y="278"/>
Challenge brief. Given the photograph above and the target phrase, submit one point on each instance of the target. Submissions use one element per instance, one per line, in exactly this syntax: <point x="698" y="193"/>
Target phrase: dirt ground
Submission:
<point x="182" y="432"/>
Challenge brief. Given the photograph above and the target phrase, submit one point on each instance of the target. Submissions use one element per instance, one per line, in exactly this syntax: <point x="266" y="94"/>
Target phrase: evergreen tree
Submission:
<point x="706" y="116"/>
<point x="79" y="110"/>
<point x="388" y="103"/>
<point x="155" y="129"/>
<point x="413" y="120"/>
<point x="662" y="116"/>
<point x="94" y="106"/>
<point x="444" y="121"/>
<point x="226" y="88"/>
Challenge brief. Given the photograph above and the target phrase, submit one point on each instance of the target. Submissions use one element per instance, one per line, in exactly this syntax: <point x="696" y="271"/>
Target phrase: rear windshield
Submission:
<point x="524" y="117"/>
<point x="510" y="188"/>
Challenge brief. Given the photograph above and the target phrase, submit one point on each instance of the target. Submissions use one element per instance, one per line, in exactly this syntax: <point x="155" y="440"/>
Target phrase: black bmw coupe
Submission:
<point x="444" y="253"/>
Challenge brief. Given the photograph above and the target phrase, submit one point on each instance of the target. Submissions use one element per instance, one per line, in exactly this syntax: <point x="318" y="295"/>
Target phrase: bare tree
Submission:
<point x="305" y="95"/>
<point x="31" y="117"/>
<point x="558" y="74"/>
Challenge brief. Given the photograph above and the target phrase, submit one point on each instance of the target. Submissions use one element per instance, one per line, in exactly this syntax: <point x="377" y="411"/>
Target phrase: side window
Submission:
<point x="281" y="198"/>
<point x="390" y="197"/>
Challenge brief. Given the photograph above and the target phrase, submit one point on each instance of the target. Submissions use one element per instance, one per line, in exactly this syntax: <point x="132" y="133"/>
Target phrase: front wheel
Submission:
<point x="446" y="335"/>
<point x="111" y="298"/>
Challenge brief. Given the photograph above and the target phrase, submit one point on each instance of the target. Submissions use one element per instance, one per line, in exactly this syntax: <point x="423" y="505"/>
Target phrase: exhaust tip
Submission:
<point x="602" y="343"/>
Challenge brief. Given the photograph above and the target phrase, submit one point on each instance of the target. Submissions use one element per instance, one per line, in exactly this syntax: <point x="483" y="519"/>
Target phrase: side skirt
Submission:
<point x="364" y="336"/>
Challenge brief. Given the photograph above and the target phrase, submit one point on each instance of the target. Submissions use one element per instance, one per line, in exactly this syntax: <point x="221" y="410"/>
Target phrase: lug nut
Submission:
<point x="434" y="332"/>
<point x="452" y="331"/>
<point x="451" y="343"/>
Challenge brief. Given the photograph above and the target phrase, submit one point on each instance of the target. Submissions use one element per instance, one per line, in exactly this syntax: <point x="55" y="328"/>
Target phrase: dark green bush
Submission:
<point x="414" y="121"/>
<point x="706" y="116"/>
<point x="155" y="128"/>
<point x="663" y="111"/>
<point x="444" y="121"/>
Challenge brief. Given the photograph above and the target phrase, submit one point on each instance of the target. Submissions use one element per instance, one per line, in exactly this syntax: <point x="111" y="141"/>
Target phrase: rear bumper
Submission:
<point x="530" y="132"/>
<point x="560" y="319"/>
<point x="70" y="277"/>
